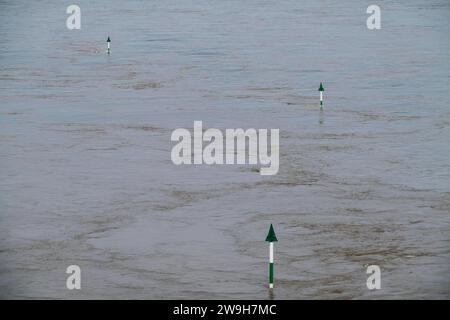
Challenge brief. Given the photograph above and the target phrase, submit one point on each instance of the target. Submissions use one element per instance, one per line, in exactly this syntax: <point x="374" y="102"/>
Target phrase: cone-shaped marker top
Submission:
<point x="109" y="40"/>
<point x="271" y="237"/>
<point x="321" y="87"/>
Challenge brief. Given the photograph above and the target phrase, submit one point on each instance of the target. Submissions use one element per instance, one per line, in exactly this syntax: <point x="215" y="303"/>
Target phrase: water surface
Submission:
<point x="85" y="170"/>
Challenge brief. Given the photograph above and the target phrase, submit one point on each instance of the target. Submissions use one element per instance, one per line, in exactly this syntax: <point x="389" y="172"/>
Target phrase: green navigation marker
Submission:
<point x="321" y="90"/>
<point x="108" y="51"/>
<point x="271" y="238"/>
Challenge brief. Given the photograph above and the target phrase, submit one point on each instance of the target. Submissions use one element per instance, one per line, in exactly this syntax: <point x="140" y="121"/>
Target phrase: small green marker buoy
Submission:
<point x="271" y="238"/>
<point x="321" y="90"/>
<point x="108" y="51"/>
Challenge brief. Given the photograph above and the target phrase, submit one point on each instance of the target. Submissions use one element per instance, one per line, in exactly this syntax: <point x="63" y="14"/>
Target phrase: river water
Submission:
<point x="86" y="176"/>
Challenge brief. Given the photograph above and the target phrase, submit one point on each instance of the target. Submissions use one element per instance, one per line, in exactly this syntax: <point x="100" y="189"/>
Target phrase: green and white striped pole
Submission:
<point x="321" y="90"/>
<point x="271" y="238"/>
<point x="108" y="51"/>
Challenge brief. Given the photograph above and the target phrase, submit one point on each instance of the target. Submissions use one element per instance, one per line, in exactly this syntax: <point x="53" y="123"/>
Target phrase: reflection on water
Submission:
<point x="271" y="294"/>
<point x="86" y="176"/>
<point x="321" y="116"/>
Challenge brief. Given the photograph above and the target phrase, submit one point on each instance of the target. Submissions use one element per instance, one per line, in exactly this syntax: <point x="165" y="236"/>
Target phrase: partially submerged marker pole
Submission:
<point x="321" y="90"/>
<point x="271" y="238"/>
<point x="108" y="51"/>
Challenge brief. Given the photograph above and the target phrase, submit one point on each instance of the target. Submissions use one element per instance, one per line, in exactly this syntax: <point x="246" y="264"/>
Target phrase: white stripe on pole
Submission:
<point x="271" y="252"/>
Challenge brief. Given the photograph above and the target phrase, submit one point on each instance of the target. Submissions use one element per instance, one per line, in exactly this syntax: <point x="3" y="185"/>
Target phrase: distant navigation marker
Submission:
<point x="321" y="90"/>
<point x="108" y="51"/>
<point x="271" y="238"/>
